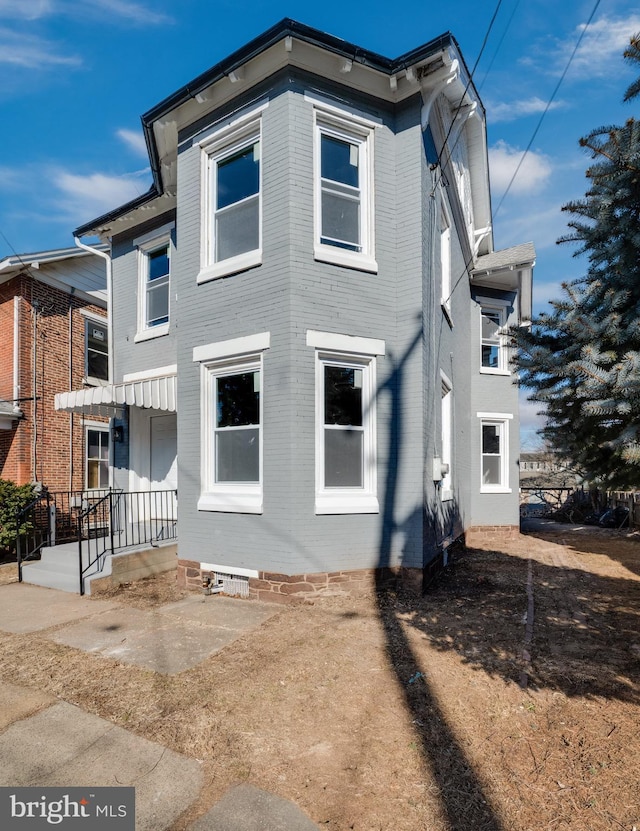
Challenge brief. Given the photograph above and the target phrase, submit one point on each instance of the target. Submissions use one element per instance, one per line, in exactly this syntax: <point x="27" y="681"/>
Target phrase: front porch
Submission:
<point x="76" y="540"/>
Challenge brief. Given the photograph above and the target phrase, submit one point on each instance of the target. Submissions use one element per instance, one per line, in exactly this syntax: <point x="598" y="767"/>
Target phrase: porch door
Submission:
<point x="163" y="464"/>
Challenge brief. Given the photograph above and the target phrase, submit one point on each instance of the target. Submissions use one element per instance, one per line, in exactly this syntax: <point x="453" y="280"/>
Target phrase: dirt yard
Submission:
<point x="506" y="699"/>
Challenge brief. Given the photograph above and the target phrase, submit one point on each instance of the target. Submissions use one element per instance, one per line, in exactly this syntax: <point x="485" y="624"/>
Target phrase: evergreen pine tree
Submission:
<point x="582" y="360"/>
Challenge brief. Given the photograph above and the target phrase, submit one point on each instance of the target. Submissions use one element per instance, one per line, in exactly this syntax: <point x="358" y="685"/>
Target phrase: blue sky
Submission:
<point x="77" y="75"/>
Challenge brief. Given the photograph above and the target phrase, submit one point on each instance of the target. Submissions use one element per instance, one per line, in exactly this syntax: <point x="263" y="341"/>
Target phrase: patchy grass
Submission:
<point x="391" y="713"/>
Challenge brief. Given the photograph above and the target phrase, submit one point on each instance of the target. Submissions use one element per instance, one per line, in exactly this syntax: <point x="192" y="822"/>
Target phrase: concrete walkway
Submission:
<point x="48" y="742"/>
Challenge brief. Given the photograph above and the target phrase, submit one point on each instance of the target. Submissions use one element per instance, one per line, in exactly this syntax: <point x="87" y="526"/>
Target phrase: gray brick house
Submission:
<point x="308" y="316"/>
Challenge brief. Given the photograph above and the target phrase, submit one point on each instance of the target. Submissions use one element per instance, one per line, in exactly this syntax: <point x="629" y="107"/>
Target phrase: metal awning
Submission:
<point x="110" y="400"/>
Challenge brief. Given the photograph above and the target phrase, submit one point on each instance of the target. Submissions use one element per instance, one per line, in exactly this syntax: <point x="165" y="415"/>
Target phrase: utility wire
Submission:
<point x="499" y="46"/>
<point x="458" y="108"/>
<point x="546" y="109"/>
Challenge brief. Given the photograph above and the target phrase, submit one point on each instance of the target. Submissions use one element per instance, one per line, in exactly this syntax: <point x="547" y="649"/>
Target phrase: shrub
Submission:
<point x="13" y="498"/>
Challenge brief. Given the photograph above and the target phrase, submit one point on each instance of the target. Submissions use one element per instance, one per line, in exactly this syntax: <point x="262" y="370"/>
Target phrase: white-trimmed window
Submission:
<point x="445" y="260"/>
<point x="494" y="452"/>
<point x="344" y="192"/>
<point x="96" y="349"/>
<point x="446" y="487"/>
<point x="346" y="476"/>
<point x="154" y="282"/>
<point x="494" y="358"/>
<point x="97" y="457"/>
<point x="231" y="424"/>
<point x="232" y="197"/>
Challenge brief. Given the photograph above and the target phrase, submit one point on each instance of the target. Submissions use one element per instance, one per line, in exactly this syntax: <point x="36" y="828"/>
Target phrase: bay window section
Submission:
<point x="346" y="480"/>
<point x="231" y="424"/>
<point x="232" y="197"/>
<point x="344" y="190"/>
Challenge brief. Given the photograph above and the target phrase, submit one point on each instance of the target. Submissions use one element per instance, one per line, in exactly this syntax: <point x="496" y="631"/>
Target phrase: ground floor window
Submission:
<point x="231" y="424"/>
<point x="346" y="442"/>
<point x="494" y="450"/>
<point x="97" y="458"/>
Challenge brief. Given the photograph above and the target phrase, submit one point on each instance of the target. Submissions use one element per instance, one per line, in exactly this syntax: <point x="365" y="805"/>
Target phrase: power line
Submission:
<point x="546" y="109"/>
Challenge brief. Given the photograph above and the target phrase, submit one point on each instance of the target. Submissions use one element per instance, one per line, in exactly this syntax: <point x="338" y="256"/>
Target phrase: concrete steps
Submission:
<point x="59" y="568"/>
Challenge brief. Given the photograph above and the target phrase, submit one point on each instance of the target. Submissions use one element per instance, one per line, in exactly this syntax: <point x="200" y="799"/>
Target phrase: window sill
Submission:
<point x="346" y="502"/>
<point x="348" y="259"/>
<point x="241" y="501"/>
<point x="446" y="311"/>
<point x="447" y="496"/>
<point x="494" y="489"/>
<point x="488" y="371"/>
<point x="90" y="381"/>
<point x="231" y="266"/>
<point x="149" y="334"/>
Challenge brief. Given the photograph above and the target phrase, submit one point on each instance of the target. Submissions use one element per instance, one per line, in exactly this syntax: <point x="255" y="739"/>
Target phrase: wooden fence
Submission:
<point x="630" y="500"/>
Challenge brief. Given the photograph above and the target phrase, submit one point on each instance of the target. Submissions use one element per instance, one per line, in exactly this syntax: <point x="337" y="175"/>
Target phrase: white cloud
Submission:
<point x="134" y="12"/>
<point x="25" y="9"/>
<point x="604" y="41"/>
<point x="32" y="52"/>
<point x="535" y="169"/>
<point x="510" y="111"/>
<point x="82" y="197"/>
<point x="134" y="141"/>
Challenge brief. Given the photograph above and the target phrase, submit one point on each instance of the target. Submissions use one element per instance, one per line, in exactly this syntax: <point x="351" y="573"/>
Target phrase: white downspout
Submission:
<point x="16" y="355"/>
<point x="106" y="257"/>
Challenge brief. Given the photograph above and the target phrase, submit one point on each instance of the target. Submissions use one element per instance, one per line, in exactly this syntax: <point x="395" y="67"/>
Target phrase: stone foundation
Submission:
<point x="288" y="588"/>
<point x="488" y="536"/>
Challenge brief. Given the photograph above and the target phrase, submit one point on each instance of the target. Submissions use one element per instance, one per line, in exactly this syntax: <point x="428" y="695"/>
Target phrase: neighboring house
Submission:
<point x="307" y="306"/>
<point x="53" y="333"/>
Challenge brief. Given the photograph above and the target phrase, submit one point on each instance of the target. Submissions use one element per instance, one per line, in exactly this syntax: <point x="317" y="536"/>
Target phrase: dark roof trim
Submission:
<point x="286" y="27"/>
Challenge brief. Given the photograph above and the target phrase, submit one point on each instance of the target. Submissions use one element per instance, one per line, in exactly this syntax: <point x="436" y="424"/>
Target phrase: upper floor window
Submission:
<point x="493" y="343"/>
<point x="344" y="193"/>
<point x="446" y="411"/>
<point x="154" y="282"/>
<point x="96" y="350"/>
<point x="232" y="198"/>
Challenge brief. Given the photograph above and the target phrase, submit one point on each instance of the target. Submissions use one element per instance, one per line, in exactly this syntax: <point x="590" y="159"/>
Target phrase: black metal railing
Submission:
<point x="33" y="529"/>
<point x="102" y="522"/>
<point x="120" y="520"/>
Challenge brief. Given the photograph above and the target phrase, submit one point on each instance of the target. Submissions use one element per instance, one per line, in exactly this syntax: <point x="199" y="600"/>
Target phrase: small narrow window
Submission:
<point x="494" y="452"/>
<point x="491" y="339"/>
<point x="445" y="260"/>
<point x="97" y="472"/>
<point x="446" y="438"/>
<point x="157" y="287"/>
<point x="97" y="350"/>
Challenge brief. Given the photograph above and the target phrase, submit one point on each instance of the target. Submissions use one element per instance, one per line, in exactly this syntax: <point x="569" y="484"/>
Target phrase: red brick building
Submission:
<point x="54" y="335"/>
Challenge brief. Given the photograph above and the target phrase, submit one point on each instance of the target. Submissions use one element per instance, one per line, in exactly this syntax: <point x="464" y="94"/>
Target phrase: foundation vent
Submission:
<point x="232" y="584"/>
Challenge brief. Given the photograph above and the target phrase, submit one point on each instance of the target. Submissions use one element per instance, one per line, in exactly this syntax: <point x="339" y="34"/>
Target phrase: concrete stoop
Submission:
<point x="58" y="567"/>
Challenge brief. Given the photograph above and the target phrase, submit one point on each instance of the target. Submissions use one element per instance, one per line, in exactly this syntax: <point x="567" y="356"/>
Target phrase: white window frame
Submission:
<point x="445" y="260"/>
<point x="226" y="140"/>
<point x="96" y="427"/>
<point x="146" y="245"/>
<point x="501" y="308"/>
<point x="90" y="319"/>
<point x="357" y="353"/>
<point x="219" y="360"/>
<point x="446" y="433"/>
<point x="347" y="127"/>
<point x="500" y="420"/>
